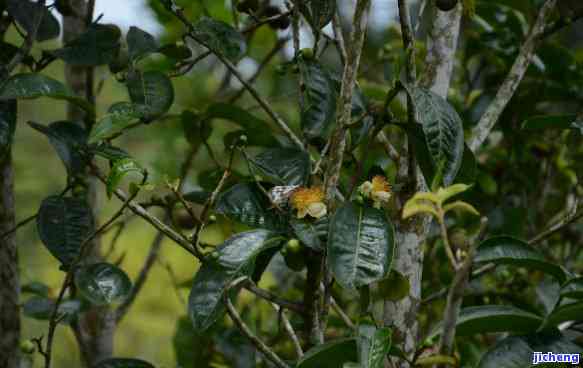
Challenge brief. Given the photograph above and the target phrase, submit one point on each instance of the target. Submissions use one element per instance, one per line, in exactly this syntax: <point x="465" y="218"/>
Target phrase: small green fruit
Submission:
<point x="27" y="347"/>
<point x="307" y="53"/>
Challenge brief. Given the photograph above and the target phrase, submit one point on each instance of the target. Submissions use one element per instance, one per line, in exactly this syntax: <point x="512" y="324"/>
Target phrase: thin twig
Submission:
<point x="289" y="329"/>
<point x="513" y="79"/>
<point x="264" y="294"/>
<point x="245" y="330"/>
<point x="178" y="13"/>
<point x="455" y="296"/>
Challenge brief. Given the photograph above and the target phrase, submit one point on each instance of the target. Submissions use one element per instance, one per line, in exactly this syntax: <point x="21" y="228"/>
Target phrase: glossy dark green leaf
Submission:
<point x="25" y="13"/>
<point x="568" y="121"/>
<point x="506" y="250"/>
<point x="35" y="287"/>
<point x="152" y="89"/>
<point x="31" y="85"/>
<point x="41" y="308"/>
<point x="469" y="169"/>
<point x="7" y="125"/>
<point x="257" y="130"/>
<point x="493" y="318"/>
<point x="69" y="140"/>
<point x="373" y="345"/>
<point x="102" y="283"/>
<point x="318" y="114"/>
<point x="360" y="245"/>
<point x="140" y="43"/>
<point x="565" y="312"/>
<point x="191" y="350"/>
<point x="197" y="196"/>
<point x="332" y="354"/>
<point x="308" y="233"/>
<point x="63" y="225"/>
<point x="236" y="257"/>
<point x="109" y="152"/>
<point x="120" y="116"/>
<point x="573" y="288"/>
<point x="175" y="52"/>
<point x="7" y="52"/>
<point x="318" y="12"/>
<point x="246" y="203"/>
<point x="98" y="45"/>
<point x="517" y="351"/>
<point x="123" y="363"/>
<point x="443" y="130"/>
<point x="119" y="170"/>
<point x="196" y="130"/>
<point x="220" y="37"/>
<point x="283" y="166"/>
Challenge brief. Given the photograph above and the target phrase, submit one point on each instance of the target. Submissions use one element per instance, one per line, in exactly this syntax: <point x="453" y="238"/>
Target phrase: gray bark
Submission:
<point x="96" y="327"/>
<point x="410" y="235"/>
<point x="9" y="281"/>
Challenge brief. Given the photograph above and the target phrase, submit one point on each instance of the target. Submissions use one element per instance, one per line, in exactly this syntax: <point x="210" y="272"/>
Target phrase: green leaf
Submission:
<point x="443" y="130"/>
<point x="7" y="125"/>
<point x="469" y="168"/>
<point x="98" y="45"/>
<point x="36" y="287"/>
<point x="235" y="257"/>
<point x="123" y="363"/>
<point x="68" y="139"/>
<point x="565" y="312"/>
<point x="308" y="233"/>
<point x="41" y="308"/>
<point x="152" y="89"/>
<point x="191" y="350"/>
<point x="517" y="351"/>
<point x="120" y="169"/>
<point x="318" y="114"/>
<point x="195" y="129"/>
<point x="175" y="52"/>
<point x="140" y="43"/>
<point x="332" y="354"/>
<point x="220" y="38"/>
<point x="257" y="130"/>
<point x="197" y="196"/>
<point x="31" y="85"/>
<point x="506" y="250"/>
<point x="493" y="318"/>
<point x="566" y="121"/>
<point x="120" y="116"/>
<point x="283" y="166"/>
<point x="63" y="225"/>
<point x="360" y="245"/>
<point x="102" y="283"/>
<point x="25" y="13"/>
<point x="109" y="152"/>
<point x="246" y="203"/>
<point x="373" y="345"/>
<point x="318" y="12"/>
<point x="573" y="288"/>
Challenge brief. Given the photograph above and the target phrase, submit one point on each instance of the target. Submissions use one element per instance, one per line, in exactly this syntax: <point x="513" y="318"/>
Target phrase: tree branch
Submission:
<point x="513" y="79"/>
<point x="242" y="326"/>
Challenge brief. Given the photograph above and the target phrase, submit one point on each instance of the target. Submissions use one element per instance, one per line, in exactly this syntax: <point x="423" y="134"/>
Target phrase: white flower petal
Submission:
<point x="381" y="196"/>
<point x="317" y="209"/>
<point x="366" y="188"/>
<point x="302" y="213"/>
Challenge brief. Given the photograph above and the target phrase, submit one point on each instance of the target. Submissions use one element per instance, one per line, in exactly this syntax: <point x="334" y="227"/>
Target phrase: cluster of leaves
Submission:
<point x="356" y="239"/>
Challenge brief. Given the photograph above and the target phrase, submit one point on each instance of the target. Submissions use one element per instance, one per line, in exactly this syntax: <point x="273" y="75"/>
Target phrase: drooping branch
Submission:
<point x="513" y="79"/>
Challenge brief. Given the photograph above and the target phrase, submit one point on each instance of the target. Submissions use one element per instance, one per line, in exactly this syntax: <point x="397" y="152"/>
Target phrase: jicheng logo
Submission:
<point x="540" y="357"/>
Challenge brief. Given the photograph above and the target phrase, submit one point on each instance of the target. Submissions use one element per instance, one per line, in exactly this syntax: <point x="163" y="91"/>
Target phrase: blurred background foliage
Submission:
<point x="523" y="178"/>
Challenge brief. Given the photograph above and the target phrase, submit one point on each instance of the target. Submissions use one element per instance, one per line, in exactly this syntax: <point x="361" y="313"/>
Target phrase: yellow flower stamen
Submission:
<point x="309" y="201"/>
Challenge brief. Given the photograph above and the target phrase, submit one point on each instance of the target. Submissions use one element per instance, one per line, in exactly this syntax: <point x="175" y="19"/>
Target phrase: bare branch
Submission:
<point x="289" y="329"/>
<point x="242" y="326"/>
<point x="513" y="79"/>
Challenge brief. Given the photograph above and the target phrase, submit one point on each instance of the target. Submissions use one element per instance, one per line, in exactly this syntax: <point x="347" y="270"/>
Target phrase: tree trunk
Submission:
<point x="9" y="282"/>
<point x="95" y="328"/>
<point x="410" y="235"/>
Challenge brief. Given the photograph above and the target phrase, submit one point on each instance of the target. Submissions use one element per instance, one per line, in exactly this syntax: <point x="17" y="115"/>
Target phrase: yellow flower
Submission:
<point x="379" y="190"/>
<point x="309" y="201"/>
